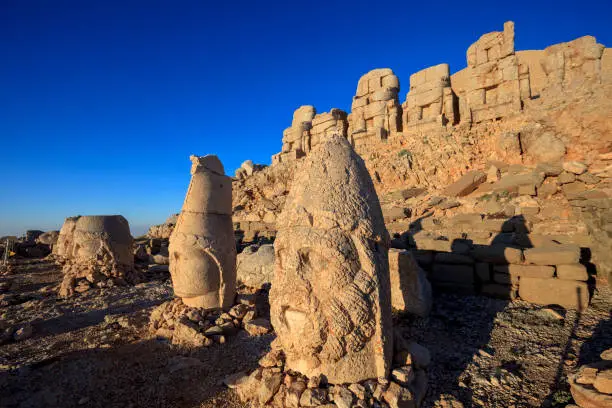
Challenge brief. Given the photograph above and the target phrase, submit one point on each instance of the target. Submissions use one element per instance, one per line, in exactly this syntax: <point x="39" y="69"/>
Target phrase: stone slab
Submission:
<point x="566" y="293"/>
<point x="553" y="255"/>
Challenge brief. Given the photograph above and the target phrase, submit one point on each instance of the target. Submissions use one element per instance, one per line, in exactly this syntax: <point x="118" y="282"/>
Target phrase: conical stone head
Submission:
<point x="330" y="296"/>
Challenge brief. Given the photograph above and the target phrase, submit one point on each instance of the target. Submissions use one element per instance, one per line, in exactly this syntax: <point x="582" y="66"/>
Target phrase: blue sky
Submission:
<point x="103" y="101"/>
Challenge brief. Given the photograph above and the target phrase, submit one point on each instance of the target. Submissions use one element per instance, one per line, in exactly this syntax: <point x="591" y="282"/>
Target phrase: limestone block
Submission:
<point x="451" y="258"/>
<point x="574" y="63"/>
<point x="498" y="254"/>
<point x="453" y="273"/>
<point x="330" y="301"/>
<point x="303" y="114"/>
<point x="255" y="265"/>
<point x="390" y="81"/>
<point x="553" y="255"/>
<point x="528" y="271"/>
<point x="483" y="271"/>
<point x="374" y="109"/>
<point x="410" y="289"/>
<point x="466" y="184"/>
<point x="202" y="246"/>
<point x="566" y="293"/>
<point x="572" y="272"/>
<point x="497" y="290"/>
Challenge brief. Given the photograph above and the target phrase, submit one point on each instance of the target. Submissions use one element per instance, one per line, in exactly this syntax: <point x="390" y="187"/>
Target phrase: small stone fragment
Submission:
<point x="257" y="327"/>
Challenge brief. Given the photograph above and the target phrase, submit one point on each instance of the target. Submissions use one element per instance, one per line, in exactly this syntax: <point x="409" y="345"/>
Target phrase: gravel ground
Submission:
<point x="95" y="349"/>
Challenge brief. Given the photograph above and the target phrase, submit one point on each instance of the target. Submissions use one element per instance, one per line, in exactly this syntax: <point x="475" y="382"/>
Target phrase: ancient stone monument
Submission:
<point x="573" y="64"/>
<point x="95" y="248"/>
<point x="430" y="99"/>
<point x="202" y="248"/>
<point x="103" y="237"/>
<point x="330" y="297"/>
<point x="307" y="130"/>
<point x="375" y="111"/>
<point x="497" y="83"/>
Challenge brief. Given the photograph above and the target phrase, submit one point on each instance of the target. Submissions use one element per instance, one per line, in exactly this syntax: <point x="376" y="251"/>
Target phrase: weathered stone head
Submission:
<point x="202" y="247"/>
<point x="330" y="296"/>
<point x="104" y="238"/>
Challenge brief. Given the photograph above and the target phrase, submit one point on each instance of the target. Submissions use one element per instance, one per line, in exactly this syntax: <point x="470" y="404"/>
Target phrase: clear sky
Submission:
<point x="103" y="101"/>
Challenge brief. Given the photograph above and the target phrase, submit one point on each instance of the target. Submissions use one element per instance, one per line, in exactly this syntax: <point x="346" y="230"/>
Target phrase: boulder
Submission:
<point x="255" y="265"/>
<point x="410" y="289"/>
<point x="566" y="293"/>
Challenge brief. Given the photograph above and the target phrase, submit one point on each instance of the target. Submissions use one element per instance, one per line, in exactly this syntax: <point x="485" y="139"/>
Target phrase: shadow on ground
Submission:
<point x="148" y="373"/>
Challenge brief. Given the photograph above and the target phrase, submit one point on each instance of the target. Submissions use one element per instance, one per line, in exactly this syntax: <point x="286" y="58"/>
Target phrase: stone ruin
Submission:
<point x="431" y="100"/>
<point x="307" y="130"/>
<point x="95" y="249"/>
<point x="546" y="163"/>
<point x="247" y="168"/>
<point x="375" y="112"/>
<point x="573" y="64"/>
<point x="202" y="247"/>
<point x="497" y="84"/>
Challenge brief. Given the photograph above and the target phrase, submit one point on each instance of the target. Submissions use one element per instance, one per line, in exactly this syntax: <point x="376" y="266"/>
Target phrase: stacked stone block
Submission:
<point x="375" y="112"/>
<point x="467" y="254"/>
<point x="295" y="137"/>
<point x="573" y="64"/>
<point x="497" y="84"/>
<point x="308" y="130"/>
<point x="430" y="101"/>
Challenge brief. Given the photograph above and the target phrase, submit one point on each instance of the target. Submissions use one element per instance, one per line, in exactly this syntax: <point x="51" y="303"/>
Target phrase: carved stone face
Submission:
<point x="329" y="301"/>
<point x="323" y="307"/>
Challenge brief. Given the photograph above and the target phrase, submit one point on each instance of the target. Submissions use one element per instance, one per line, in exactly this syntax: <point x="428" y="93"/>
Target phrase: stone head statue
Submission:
<point x="330" y="295"/>
<point x="202" y="246"/>
<point x="103" y="238"/>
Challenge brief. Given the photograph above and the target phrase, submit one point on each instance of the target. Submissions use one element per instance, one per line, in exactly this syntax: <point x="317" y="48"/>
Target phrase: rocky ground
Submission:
<point x="95" y="348"/>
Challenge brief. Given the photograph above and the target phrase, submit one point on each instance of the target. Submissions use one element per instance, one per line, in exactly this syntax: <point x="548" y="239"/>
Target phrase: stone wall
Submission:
<point x="529" y="232"/>
<point x="430" y="100"/>
<point x="497" y="83"/>
<point x="376" y="112"/>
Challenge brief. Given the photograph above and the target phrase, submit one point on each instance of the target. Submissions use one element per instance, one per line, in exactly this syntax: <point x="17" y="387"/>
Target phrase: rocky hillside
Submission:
<point x="515" y="134"/>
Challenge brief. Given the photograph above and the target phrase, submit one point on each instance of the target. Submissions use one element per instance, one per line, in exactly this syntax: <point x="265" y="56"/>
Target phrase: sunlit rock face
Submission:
<point x="202" y="247"/>
<point x="330" y="295"/>
<point x="65" y="240"/>
<point x="103" y="237"/>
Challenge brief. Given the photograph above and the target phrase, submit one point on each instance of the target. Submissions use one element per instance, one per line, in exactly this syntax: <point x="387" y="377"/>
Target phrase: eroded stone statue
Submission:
<point x="330" y="296"/>
<point x="202" y="247"/>
<point x="95" y="248"/>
